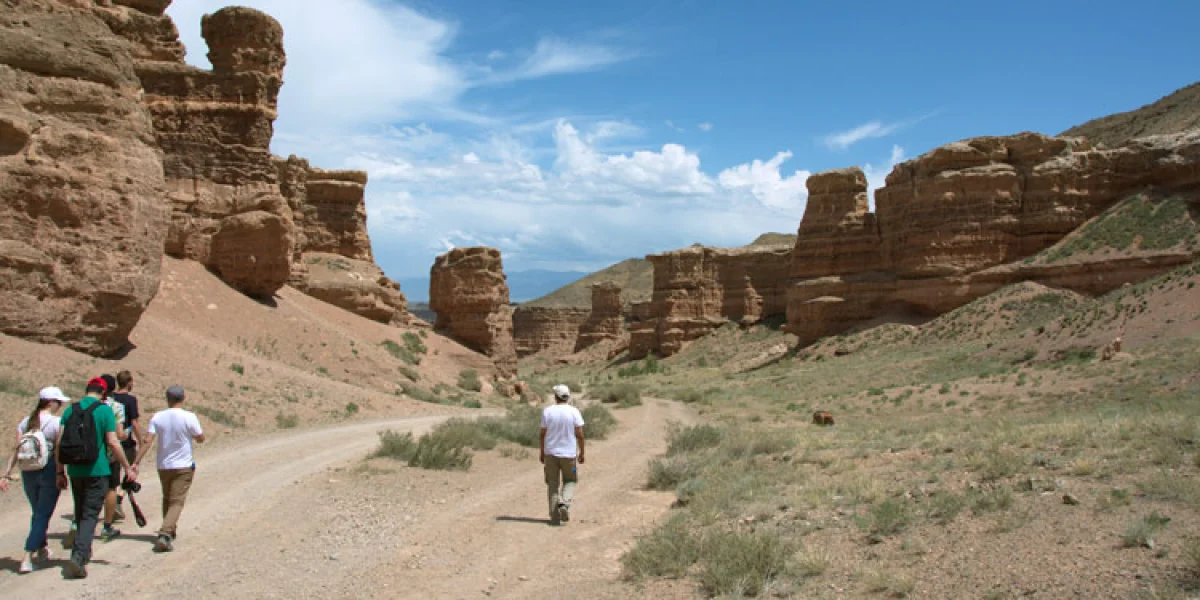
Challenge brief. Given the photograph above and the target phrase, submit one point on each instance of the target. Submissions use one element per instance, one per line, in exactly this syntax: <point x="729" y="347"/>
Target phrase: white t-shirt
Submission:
<point x="175" y="429"/>
<point x="50" y="427"/>
<point x="560" y="421"/>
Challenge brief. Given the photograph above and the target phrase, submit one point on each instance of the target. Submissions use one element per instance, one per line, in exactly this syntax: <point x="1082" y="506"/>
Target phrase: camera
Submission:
<point x="131" y="486"/>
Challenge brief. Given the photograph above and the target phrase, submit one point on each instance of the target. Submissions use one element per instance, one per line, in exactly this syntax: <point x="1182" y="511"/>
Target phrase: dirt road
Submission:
<point x="301" y="515"/>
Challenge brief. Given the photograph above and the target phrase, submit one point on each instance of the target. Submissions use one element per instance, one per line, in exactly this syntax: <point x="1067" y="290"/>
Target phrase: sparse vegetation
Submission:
<point x="237" y="368"/>
<point x="468" y="379"/>
<point x="217" y="415"/>
<point x="403" y="353"/>
<point x="1141" y="531"/>
<point x="623" y="395"/>
<point x="286" y="420"/>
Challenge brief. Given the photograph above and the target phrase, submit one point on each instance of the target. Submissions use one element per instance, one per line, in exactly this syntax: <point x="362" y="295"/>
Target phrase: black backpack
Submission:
<point x="79" y="445"/>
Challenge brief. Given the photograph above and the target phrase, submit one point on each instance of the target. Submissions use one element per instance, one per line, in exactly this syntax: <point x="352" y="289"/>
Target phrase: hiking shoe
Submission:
<point x="564" y="514"/>
<point x="109" y="532"/>
<point x="26" y="566"/>
<point x="74" y="569"/>
<point x="69" y="539"/>
<point x="119" y="514"/>
<point x="163" y="544"/>
<point x="44" y="555"/>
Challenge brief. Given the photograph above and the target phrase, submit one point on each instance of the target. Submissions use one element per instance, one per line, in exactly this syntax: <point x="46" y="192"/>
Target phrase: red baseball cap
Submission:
<point x="98" y="382"/>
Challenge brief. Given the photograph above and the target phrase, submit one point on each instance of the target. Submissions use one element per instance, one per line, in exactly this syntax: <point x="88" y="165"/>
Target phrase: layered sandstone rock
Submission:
<point x="547" y="329"/>
<point x="214" y="128"/>
<point x="468" y="291"/>
<point x="952" y="223"/>
<point x="698" y="289"/>
<point x="331" y="252"/>
<point x="605" y="321"/>
<point x="358" y="286"/>
<point x="838" y="233"/>
<point x="82" y="223"/>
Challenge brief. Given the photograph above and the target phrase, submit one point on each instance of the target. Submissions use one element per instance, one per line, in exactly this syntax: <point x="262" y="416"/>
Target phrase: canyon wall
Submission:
<point x="82" y="222"/>
<point x="257" y="220"/>
<point x="547" y="329"/>
<point x="606" y="320"/>
<point x="698" y="289"/>
<point x="469" y="293"/>
<point x="954" y="224"/>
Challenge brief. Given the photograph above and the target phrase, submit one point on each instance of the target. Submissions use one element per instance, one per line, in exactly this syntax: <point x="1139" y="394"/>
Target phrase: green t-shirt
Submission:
<point x="105" y="422"/>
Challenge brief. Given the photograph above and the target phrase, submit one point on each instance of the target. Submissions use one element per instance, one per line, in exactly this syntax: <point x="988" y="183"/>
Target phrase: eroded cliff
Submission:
<point x="469" y="293"/>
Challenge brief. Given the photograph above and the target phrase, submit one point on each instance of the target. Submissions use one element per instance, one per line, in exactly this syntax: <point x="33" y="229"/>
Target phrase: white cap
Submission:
<point x="562" y="392"/>
<point x="52" y="393"/>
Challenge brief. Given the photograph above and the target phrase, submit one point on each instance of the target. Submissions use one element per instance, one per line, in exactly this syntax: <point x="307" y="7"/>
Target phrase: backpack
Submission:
<point x="79" y="444"/>
<point x="32" y="451"/>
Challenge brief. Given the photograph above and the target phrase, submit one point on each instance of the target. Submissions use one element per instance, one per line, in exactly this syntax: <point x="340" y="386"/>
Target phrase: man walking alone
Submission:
<point x="561" y="446"/>
<point x="175" y="429"/>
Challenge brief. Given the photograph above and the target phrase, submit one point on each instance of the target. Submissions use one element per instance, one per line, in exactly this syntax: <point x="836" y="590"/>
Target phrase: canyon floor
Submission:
<point x="261" y="524"/>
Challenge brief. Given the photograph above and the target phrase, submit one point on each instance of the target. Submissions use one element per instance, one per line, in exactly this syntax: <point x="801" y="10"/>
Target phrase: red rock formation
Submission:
<point x="953" y="222"/>
<point x="215" y="129"/>
<point x="82" y="223"/>
<point x="546" y="329"/>
<point x="331" y="258"/>
<point x="605" y="321"/>
<point x="698" y="289"/>
<point x="838" y="234"/>
<point x="468" y="291"/>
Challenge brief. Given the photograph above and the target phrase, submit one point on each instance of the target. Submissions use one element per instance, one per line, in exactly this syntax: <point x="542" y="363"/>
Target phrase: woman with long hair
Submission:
<point x="40" y="487"/>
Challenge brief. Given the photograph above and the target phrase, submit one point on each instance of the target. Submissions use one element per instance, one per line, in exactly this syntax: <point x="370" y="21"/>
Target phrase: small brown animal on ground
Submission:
<point x="822" y="418"/>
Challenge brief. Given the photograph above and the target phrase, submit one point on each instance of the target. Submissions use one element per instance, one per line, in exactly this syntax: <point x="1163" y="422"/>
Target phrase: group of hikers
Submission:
<point x="100" y="437"/>
<point x="89" y="447"/>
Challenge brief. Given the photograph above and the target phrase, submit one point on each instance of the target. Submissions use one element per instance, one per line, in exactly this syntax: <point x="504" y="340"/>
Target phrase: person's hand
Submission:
<point x="542" y="457"/>
<point x="581" y="459"/>
<point x="4" y="484"/>
<point x="131" y="473"/>
<point x="60" y="481"/>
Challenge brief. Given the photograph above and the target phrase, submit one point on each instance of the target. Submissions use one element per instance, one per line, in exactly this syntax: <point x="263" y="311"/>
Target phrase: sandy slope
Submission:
<point x="300" y="515"/>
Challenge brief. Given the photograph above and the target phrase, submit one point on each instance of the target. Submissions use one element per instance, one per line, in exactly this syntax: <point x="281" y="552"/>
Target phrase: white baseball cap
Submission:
<point x="562" y="392"/>
<point x="52" y="393"/>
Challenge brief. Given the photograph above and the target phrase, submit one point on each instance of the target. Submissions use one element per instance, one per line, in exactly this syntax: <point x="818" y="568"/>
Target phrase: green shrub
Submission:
<point x="669" y="472"/>
<point x="418" y="393"/>
<point x="443" y="451"/>
<point x="217" y="415"/>
<point x="465" y="433"/>
<point x="401" y="352"/>
<point x="286" y="421"/>
<point x="351" y="409"/>
<point x="520" y="425"/>
<point x="692" y="438"/>
<point x="576" y="387"/>
<point x="399" y="446"/>
<point x="886" y="518"/>
<point x="621" y="394"/>
<point x="413" y="343"/>
<point x="944" y="506"/>
<point x="409" y="373"/>
<point x="472" y="403"/>
<point x="650" y="366"/>
<point x="237" y="368"/>
<point x="668" y="551"/>
<point x="1141" y="532"/>
<point x="598" y="422"/>
<point x="739" y="564"/>
<point x="983" y="501"/>
<point x="468" y="379"/>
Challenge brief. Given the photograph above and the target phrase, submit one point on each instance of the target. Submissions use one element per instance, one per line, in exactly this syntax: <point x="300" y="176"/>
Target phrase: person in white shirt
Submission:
<point x="174" y="429"/>
<point x="561" y="448"/>
<point x="40" y="486"/>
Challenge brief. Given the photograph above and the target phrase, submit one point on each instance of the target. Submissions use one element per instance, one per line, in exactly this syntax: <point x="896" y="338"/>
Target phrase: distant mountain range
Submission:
<point x="522" y="285"/>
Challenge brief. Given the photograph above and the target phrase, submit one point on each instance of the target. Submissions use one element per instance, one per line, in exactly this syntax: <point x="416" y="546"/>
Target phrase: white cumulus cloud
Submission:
<point x="764" y="181"/>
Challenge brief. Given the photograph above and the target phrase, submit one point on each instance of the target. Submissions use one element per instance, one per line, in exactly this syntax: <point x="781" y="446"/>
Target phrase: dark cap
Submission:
<point x="98" y="383"/>
<point x="175" y="393"/>
<point x="110" y="383"/>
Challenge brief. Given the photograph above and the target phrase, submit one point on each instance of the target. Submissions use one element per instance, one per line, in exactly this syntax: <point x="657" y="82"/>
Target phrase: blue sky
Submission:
<point x="573" y="135"/>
